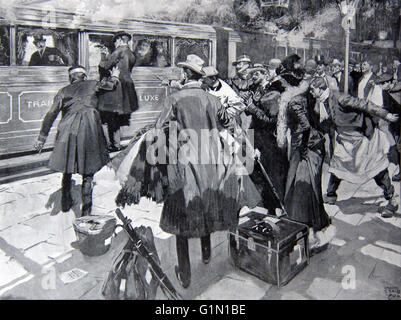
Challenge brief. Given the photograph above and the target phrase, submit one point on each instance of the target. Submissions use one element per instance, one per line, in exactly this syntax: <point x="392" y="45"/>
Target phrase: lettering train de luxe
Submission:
<point x="32" y="104"/>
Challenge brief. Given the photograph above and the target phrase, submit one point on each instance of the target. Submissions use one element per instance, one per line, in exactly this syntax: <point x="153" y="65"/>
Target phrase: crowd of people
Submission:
<point x="299" y="114"/>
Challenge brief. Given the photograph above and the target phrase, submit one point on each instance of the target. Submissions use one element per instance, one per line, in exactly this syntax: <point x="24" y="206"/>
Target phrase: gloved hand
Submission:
<point x="39" y="146"/>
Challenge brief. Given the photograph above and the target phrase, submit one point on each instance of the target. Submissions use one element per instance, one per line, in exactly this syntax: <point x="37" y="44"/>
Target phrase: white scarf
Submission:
<point x="320" y="107"/>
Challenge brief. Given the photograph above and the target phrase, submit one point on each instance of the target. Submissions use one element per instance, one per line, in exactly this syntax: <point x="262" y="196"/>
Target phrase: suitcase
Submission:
<point x="273" y="252"/>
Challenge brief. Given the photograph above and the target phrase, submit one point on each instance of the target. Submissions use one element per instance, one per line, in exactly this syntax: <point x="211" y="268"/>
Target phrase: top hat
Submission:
<point x="120" y="34"/>
<point x="243" y="58"/>
<point x="194" y="63"/>
<point x="210" y="71"/>
<point x="274" y="63"/>
<point x="38" y="37"/>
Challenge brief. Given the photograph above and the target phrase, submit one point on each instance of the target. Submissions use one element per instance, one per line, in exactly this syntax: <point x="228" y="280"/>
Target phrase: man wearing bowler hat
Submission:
<point x="46" y="56"/>
<point x="116" y="107"/>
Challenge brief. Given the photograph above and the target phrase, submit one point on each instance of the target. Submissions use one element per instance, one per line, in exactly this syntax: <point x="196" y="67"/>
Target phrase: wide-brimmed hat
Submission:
<point x="210" y="71"/>
<point x="243" y="58"/>
<point x="336" y="62"/>
<point x="120" y="34"/>
<point x="384" y="78"/>
<point x="274" y="63"/>
<point x="194" y="63"/>
<point x="38" y="37"/>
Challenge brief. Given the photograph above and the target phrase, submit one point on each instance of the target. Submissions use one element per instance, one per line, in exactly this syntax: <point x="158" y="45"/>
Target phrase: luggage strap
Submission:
<point x="269" y="248"/>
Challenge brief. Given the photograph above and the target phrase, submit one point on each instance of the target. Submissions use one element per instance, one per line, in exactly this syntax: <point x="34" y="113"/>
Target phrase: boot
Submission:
<point x="390" y="209"/>
<point x="66" y="198"/>
<point x="87" y="195"/>
<point x="183" y="270"/>
<point x="206" y="249"/>
<point x="330" y="198"/>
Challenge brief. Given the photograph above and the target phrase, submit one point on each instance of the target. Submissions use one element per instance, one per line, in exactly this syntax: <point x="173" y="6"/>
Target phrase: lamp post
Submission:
<point x="348" y="10"/>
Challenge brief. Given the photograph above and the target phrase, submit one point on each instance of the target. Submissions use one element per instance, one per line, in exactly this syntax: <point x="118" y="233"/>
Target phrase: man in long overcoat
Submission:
<point x="201" y="194"/>
<point x="80" y="145"/>
<point x="116" y="107"/>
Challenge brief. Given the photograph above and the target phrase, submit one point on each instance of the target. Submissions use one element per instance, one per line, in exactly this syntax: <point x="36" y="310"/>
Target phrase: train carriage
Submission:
<point x="27" y="91"/>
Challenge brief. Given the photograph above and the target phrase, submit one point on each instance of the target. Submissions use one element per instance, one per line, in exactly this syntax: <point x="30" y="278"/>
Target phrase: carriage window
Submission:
<point x="46" y="47"/>
<point x="96" y="43"/>
<point x="4" y="46"/>
<point x="151" y="51"/>
<point x="184" y="47"/>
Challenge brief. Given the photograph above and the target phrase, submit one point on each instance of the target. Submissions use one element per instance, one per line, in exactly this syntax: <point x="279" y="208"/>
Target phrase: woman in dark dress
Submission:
<point x="303" y="195"/>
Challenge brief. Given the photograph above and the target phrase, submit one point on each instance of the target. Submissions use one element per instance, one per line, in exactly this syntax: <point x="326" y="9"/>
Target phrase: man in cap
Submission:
<point x="201" y="196"/>
<point x="80" y="145"/>
<point x="46" y="56"/>
<point x="232" y="103"/>
<point x="116" y="107"/>
<point x="242" y="81"/>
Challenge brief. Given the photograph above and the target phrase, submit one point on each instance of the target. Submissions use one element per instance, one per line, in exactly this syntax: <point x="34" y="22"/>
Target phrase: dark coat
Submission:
<point x="355" y="75"/>
<point x="44" y="60"/>
<point x="199" y="198"/>
<point x="392" y="106"/>
<point x="264" y="114"/>
<point x="124" y="99"/>
<point x="348" y="111"/>
<point x="241" y="86"/>
<point x="80" y="145"/>
<point x="351" y="85"/>
<point x="303" y="197"/>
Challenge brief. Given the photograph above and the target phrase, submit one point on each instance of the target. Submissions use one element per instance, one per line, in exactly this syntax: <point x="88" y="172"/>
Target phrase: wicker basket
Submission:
<point x="94" y="234"/>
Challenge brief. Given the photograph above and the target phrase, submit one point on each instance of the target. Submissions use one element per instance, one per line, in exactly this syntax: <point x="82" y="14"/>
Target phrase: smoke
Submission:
<point x="323" y="25"/>
<point x="112" y="10"/>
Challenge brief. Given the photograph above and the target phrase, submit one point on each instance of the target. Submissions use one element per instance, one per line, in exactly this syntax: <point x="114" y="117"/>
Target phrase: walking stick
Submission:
<point x="269" y="181"/>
